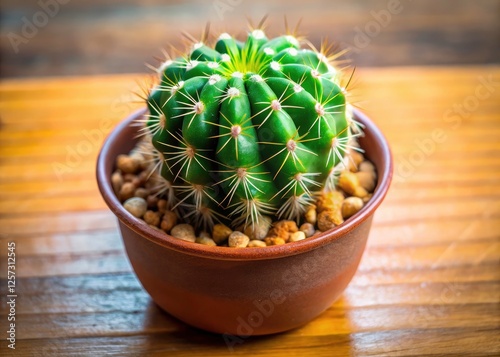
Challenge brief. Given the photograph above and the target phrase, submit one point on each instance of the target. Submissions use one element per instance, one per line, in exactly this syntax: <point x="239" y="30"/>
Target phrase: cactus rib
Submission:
<point x="245" y="129"/>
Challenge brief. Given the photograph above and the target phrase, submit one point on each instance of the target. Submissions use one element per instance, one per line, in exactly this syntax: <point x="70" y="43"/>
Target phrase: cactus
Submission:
<point x="245" y="129"/>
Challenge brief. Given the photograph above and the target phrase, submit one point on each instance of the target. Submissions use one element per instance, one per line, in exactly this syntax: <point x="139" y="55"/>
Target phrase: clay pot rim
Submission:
<point x="242" y="254"/>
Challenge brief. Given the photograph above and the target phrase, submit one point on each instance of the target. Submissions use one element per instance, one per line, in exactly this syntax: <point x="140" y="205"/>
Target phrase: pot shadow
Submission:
<point x="164" y="333"/>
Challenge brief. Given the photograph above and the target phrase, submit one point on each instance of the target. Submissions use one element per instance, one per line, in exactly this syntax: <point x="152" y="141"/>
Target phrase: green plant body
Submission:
<point x="245" y="129"/>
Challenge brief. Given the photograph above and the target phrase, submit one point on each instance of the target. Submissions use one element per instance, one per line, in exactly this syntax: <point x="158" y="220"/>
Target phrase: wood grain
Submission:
<point x="428" y="284"/>
<point x="95" y="37"/>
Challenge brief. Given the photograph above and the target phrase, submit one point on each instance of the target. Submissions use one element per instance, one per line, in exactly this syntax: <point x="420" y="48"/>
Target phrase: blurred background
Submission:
<point x="86" y="37"/>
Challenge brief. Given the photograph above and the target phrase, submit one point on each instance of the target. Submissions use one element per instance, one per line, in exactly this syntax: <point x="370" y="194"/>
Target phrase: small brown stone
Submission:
<point x="256" y="243"/>
<point x="331" y="200"/>
<point x="142" y="177"/>
<point x="129" y="178"/>
<point x="204" y="234"/>
<point x="136" y="206"/>
<point x="260" y="229"/>
<point x="355" y="159"/>
<point x="283" y="229"/>
<point x="127" y="191"/>
<point x="184" y="232"/>
<point x="127" y="164"/>
<point x="367" y="197"/>
<point x="367" y="166"/>
<point x="274" y="241"/>
<point x="162" y="205"/>
<point x="311" y="216"/>
<point x="366" y="180"/>
<point x="138" y="158"/>
<point x="295" y="237"/>
<point x="308" y="229"/>
<point x="141" y="192"/>
<point x="329" y="219"/>
<point x="151" y="184"/>
<point x="152" y="201"/>
<point x="351" y="206"/>
<point x="206" y="241"/>
<point x="117" y="181"/>
<point x="152" y="218"/>
<point x="349" y="183"/>
<point x="360" y="192"/>
<point x="169" y="220"/>
<point x="221" y="232"/>
<point x="136" y="181"/>
<point x="238" y="240"/>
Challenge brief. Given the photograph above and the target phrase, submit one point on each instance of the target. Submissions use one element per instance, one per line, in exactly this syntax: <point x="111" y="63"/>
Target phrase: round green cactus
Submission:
<point x="244" y="129"/>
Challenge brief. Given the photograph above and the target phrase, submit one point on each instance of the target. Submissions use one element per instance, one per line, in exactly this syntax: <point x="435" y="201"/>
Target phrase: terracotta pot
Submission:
<point x="250" y="291"/>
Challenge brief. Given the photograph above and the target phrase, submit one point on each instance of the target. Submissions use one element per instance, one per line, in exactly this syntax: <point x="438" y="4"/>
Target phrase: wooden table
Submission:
<point x="428" y="283"/>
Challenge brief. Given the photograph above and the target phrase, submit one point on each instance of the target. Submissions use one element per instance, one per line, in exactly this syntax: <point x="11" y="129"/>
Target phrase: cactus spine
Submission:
<point x="247" y="129"/>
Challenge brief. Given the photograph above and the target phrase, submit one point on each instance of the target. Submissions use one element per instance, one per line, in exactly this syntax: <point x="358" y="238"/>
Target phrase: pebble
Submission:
<point x="274" y="241"/>
<point x="238" y="240"/>
<point x="162" y="205"/>
<point x="138" y="159"/>
<point x="283" y="229"/>
<point x="152" y="218"/>
<point x="356" y="158"/>
<point x="129" y="177"/>
<point x="169" y="220"/>
<point x="221" y="232"/>
<point x="206" y="241"/>
<point x="349" y="183"/>
<point x="308" y="229"/>
<point x="142" y="178"/>
<point x="127" y="164"/>
<point x="204" y="234"/>
<point x="329" y="219"/>
<point x="295" y="237"/>
<point x="360" y="192"/>
<point x="367" y="198"/>
<point x="152" y="201"/>
<point x="184" y="232"/>
<point x="331" y="200"/>
<point x="136" y="206"/>
<point x="311" y="216"/>
<point x="151" y="184"/>
<point x="366" y="180"/>
<point x="127" y="191"/>
<point x="141" y="192"/>
<point x="367" y="166"/>
<point x="117" y="181"/>
<point x="260" y="229"/>
<point x="351" y="206"/>
<point x="256" y="243"/>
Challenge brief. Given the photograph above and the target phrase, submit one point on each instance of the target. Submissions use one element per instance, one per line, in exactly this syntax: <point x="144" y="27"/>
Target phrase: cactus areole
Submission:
<point x="245" y="129"/>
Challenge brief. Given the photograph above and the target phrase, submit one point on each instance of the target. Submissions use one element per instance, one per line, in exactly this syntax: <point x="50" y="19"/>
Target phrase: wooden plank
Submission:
<point x="428" y="283"/>
<point x="61" y="223"/>
<point x="462" y="341"/>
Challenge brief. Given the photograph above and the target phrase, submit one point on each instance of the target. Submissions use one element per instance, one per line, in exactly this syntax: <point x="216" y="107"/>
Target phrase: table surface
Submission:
<point x="428" y="284"/>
